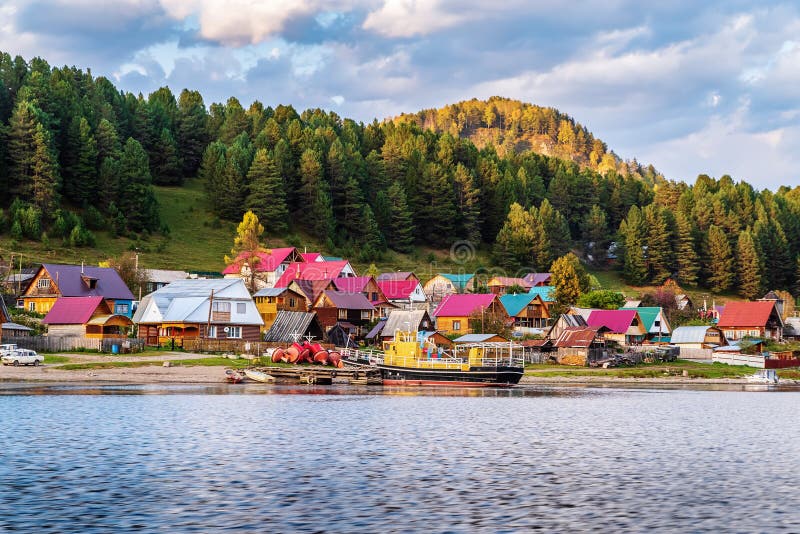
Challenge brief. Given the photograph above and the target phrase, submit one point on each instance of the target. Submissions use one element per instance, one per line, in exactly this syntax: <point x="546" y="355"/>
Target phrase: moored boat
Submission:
<point x="764" y="376"/>
<point x="411" y="361"/>
<point x="259" y="376"/>
<point x="233" y="376"/>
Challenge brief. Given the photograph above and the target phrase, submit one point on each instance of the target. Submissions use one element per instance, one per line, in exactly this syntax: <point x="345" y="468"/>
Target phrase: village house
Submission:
<point x="267" y="269"/>
<point x="683" y="302"/>
<point x="580" y="345"/>
<point x="88" y="317"/>
<point x="270" y="300"/>
<point x="367" y="286"/>
<point x="537" y="279"/>
<point x="454" y="312"/>
<point x="8" y="328"/>
<point x="759" y="319"/>
<point x="291" y="326"/>
<point x="193" y="309"/>
<point x="404" y="293"/>
<point x="529" y="311"/>
<point x="624" y="326"/>
<point x="565" y="321"/>
<point x="698" y="337"/>
<point x="479" y="338"/>
<point x="499" y="285"/>
<point x="352" y="310"/>
<point x="155" y="279"/>
<point x="53" y="282"/>
<point x="401" y="320"/>
<point x="315" y="270"/>
<point x="398" y="275"/>
<point x="444" y="284"/>
<point x="655" y="323"/>
<point x="311" y="289"/>
<point x="547" y="293"/>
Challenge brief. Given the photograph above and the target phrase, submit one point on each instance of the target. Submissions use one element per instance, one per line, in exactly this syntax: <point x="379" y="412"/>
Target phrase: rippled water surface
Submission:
<point x="353" y="460"/>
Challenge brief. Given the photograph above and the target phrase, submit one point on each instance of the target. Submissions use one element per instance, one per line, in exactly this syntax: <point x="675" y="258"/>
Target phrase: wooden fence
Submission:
<point x="72" y="343"/>
<point x="696" y="354"/>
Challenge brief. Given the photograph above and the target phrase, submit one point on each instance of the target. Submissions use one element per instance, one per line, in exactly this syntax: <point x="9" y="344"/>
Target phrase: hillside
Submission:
<point x="91" y="171"/>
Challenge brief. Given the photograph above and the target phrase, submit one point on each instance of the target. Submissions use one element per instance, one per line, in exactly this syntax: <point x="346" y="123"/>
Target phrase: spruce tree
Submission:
<point x="658" y="240"/>
<point x="371" y="237"/>
<point x="267" y="198"/>
<point x="595" y="235"/>
<point x="191" y="130"/>
<point x="749" y="266"/>
<point x="687" y="259"/>
<point x="400" y="230"/>
<point x="44" y="174"/>
<point x="467" y="204"/>
<point x="86" y="165"/>
<point x="720" y="260"/>
<point x="515" y="240"/>
<point x="556" y="233"/>
<point x="166" y="164"/>
<point x="21" y="148"/>
<point x="137" y="200"/>
<point x="631" y="233"/>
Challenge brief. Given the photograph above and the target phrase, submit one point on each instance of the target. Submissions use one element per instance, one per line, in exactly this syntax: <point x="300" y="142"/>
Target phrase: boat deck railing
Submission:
<point x="445" y="361"/>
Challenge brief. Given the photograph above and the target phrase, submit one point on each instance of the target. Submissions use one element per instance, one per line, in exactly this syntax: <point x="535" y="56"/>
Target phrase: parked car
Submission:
<point x="23" y="357"/>
<point x="7" y="348"/>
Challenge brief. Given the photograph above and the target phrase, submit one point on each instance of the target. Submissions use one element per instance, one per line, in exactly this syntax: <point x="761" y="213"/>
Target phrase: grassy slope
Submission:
<point x="195" y="243"/>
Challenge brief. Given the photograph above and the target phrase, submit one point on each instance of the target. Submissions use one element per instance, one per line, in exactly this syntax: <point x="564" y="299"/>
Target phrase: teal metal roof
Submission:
<point x="648" y="315"/>
<point x="458" y="280"/>
<point x="548" y="293"/>
<point x="514" y="304"/>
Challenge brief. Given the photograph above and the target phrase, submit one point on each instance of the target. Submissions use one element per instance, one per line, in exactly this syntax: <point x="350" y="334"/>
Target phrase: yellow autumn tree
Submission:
<point x="569" y="279"/>
<point x="247" y="249"/>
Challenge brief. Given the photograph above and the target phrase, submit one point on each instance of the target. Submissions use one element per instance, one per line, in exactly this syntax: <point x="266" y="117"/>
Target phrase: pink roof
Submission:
<point x="617" y="321"/>
<point x="268" y="261"/>
<point x="309" y="256"/>
<point x="317" y="270"/>
<point x="398" y="289"/>
<point x="743" y="314"/>
<point x="72" y="310"/>
<point x="463" y="305"/>
<point x="352" y="284"/>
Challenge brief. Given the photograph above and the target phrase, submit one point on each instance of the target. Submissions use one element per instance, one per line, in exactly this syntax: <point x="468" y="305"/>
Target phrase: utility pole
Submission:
<point x="210" y="306"/>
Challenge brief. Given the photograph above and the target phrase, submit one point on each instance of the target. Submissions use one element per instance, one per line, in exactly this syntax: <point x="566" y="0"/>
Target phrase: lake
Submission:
<point x="270" y="459"/>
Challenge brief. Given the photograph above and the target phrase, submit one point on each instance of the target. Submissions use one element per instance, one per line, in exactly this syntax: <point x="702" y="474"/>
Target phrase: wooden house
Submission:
<point x="270" y="300"/>
<point x="398" y="275"/>
<point x="89" y="317"/>
<point x="444" y="284"/>
<point x="479" y="338"/>
<point x="579" y="345"/>
<point x="267" y="269"/>
<point x="369" y="287"/>
<point x="405" y="320"/>
<point x="155" y="279"/>
<point x="352" y="309"/>
<point x="407" y="294"/>
<point x="311" y="289"/>
<point x="654" y="321"/>
<point x="624" y="326"/>
<point x="751" y="319"/>
<point x="499" y="285"/>
<point x="291" y="326"/>
<point x="528" y="311"/>
<point x="683" y="302"/>
<point x="53" y="282"/>
<point x="547" y="293"/>
<point x="192" y="309"/>
<point x="537" y="279"/>
<point x="698" y="337"/>
<point x="564" y="321"/>
<point x="8" y="328"/>
<point x="454" y="312"/>
<point x="315" y="270"/>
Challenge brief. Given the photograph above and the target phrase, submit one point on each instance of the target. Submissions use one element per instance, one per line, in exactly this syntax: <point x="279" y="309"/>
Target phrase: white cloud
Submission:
<point x="406" y="18"/>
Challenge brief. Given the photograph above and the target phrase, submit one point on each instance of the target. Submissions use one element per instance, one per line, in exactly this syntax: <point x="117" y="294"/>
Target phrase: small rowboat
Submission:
<point x="259" y="376"/>
<point x="233" y="376"/>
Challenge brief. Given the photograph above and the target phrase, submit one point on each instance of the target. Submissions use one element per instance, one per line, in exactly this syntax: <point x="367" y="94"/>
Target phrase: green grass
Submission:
<point x="650" y="370"/>
<point x="50" y="358"/>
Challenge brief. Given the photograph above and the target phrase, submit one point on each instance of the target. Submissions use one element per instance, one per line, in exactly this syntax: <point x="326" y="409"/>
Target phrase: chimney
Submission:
<point x="81" y="267"/>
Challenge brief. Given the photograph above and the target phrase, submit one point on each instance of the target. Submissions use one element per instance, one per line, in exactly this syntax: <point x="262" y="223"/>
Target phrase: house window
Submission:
<point x="20" y="303"/>
<point x="374" y="297"/>
<point x="342" y="314"/>
<point x="32" y="306"/>
<point x="224" y="307"/>
<point x="234" y="332"/>
<point x="292" y="303"/>
<point x="456" y="325"/>
<point x="657" y="323"/>
<point x="365" y="314"/>
<point x="43" y="283"/>
<point x="241" y="308"/>
<point x="212" y="331"/>
<point x="121" y="309"/>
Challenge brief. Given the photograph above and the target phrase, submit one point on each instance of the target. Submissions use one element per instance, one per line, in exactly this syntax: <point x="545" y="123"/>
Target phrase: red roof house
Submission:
<point x="334" y="307"/>
<point x="315" y="270"/>
<point x="453" y="313"/>
<point x="751" y="319"/>
<point x="402" y="291"/>
<point x="85" y="317"/>
<point x="269" y="267"/>
<point x="624" y="326"/>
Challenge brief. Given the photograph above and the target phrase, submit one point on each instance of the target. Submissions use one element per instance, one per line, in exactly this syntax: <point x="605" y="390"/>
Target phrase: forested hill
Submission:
<point x="79" y="156"/>
<point x="514" y="126"/>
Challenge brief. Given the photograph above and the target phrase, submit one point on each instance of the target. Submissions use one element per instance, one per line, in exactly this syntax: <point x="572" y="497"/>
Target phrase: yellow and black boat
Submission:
<point x="412" y="360"/>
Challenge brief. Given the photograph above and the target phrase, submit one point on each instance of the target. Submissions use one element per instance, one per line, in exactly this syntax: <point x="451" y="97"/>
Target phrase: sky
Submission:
<point x="691" y="87"/>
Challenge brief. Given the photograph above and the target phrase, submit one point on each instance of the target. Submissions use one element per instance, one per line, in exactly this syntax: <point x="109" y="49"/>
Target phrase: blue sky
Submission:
<point x="691" y="87"/>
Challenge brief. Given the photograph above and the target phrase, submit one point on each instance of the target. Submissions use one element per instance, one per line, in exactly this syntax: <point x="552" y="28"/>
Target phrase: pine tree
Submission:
<point x="44" y="174"/>
<point x="400" y="231"/>
<point x="515" y="240"/>
<point x="371" y="237"/>
<point x="107" y="141"/>
<point x="467" y="204"/>
<point x="267" y="198"/>
<point x="235" y="121"/>
<point x="191" y="128"/>
<point x="720" y="261"/>
<point x="86" y="165"/>
<point x="166" y="164"/>
<point x="658" y="239"/>
<point x="557" y="236"/>
<point x="211" y="174"/>
<point x="350" y="210"/>
<point x="595" y="235"/>
<point x="21" y="148"/>
<point x="631" y="232"/>
<point x="749" y="266"/>
<point x="137" y="200"/>
<point x="687" y="259"/>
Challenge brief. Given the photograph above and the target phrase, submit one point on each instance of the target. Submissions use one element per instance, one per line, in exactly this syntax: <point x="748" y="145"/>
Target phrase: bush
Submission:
<point x="81" y="237"/>
<point x="93" y="219"/>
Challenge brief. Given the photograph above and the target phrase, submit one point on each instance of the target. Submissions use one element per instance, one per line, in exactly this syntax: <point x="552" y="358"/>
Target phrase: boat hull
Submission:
<point x="475" y="377"/>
